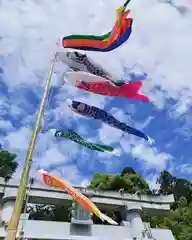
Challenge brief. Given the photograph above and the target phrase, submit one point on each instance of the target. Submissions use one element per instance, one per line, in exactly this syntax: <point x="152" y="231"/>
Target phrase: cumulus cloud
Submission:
<point x="185" y="169"/>
<point x="109" y="135"/>
<point x="19" y="140"/>
<point x="148" y="155"/>
<point x="151" y="156"/>
<point x="6" y="125"/>
<point x="72" y="174"/>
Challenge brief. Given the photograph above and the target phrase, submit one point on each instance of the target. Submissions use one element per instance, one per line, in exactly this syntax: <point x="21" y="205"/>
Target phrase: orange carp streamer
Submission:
<point x="53" y="181"/>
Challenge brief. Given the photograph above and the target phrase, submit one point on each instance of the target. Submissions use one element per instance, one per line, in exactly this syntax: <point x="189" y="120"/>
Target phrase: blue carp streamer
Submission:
<point x="96" y="113"/>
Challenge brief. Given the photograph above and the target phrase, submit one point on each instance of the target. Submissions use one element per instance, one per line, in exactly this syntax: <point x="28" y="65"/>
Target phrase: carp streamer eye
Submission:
<point x="58" y="134"/>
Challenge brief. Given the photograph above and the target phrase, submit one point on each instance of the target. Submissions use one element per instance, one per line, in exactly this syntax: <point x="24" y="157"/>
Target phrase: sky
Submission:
<point x="158" y="52"/>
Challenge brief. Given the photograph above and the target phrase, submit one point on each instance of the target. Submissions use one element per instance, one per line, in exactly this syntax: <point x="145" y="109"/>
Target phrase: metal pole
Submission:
<point x="14" y="221"/>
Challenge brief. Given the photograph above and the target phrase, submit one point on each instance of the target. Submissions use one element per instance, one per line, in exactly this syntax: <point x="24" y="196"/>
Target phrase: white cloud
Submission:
<point x="3" y="106"/>
<point x="185" y="169"/>
<point x="70" y="173"/>
<point x="156" y="43"/>
<point x="52" y="157"/>
<point x="15" y="111"/>
<point x="146" y="154"/>
<point x="19" y="139"/>
<point x="160" y="45"/>
<point x="109" y="135"/>
<point x="6" y="125"/>
<point x="151" y="156"/>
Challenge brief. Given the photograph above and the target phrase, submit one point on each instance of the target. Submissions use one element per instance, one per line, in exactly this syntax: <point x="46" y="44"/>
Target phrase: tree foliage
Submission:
<point x="8" y="164"/>
<point x="49" y="213"/>
<point x="128" y="180"/>
<point x="177" y="186"/>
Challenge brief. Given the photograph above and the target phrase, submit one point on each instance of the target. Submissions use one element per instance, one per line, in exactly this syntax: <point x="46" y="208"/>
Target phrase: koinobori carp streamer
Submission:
<point x="94" y="112"/>
<point x="82" y="200"/>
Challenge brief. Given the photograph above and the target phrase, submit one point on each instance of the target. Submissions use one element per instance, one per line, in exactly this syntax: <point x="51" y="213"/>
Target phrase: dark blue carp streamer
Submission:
<point x="96" y="113"/>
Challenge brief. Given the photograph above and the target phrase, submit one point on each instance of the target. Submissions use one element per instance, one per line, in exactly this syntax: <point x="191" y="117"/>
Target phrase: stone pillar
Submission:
<point x="80" y="215"/>
<point x="81" y="221"/>
<point x="7" y="209"/>
<point x="133" y="215"/>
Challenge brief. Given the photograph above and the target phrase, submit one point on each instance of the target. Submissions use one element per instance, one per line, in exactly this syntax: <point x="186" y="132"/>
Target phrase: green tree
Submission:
<point x="179" y="221"/>
<point x="8" y="164"/>
<point x="48" y="213"/>
<point x="180" y="218"/>
<point x="127" y="170"/>
<point x="129" y="180"/>
<point x="177" y="186"/>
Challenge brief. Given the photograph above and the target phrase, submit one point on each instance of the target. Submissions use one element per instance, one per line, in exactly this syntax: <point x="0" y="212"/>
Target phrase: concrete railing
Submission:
<point x="41" y="194"/>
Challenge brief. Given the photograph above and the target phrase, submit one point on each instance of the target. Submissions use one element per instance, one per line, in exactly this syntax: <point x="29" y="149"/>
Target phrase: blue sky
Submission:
<point x="158" y="53"/>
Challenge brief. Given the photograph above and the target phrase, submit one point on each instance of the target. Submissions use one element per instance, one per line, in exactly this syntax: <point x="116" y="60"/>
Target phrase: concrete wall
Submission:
<point x="64" y="231"/>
